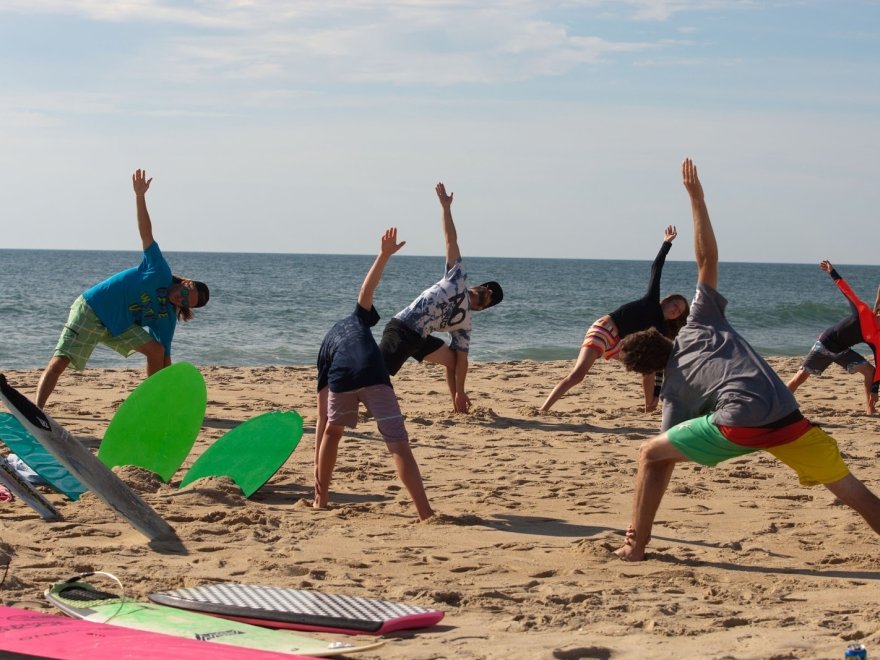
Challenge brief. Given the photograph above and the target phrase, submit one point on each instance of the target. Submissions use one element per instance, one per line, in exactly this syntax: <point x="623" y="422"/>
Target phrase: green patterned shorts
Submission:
<point x="84" y="330"/>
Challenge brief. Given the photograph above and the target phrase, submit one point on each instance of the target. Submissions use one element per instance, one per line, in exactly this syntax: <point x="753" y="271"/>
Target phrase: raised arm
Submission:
<point x="388" y="246"/>
<point x="877" y="301"/>
<point x="867" y="320"/>
<point x="860" y="306"/>
<point x="705" y="245"/>
<point x="657" y="267"/>
<point x="450" y="235"/>
<point x="141" y="185"/>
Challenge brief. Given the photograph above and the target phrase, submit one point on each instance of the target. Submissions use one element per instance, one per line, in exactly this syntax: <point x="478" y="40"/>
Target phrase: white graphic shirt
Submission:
<point x="443" y="307"/>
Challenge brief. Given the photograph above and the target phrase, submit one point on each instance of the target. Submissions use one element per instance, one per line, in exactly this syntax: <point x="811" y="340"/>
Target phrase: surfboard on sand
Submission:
<point x="87" y="469"/>
<point x="157" y="424"/>
<point x="40" y="635"/>
<point x="35" y="456"/>
<point x="26" y="493"/>
<point x="83" y="601"/>
<point x="277" y="607"/>
<point x="250" y="453"/>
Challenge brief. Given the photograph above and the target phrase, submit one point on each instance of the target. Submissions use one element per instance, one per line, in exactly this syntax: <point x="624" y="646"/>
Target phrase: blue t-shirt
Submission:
<point x="349" y="358"/>
<point x="137" y="296"/>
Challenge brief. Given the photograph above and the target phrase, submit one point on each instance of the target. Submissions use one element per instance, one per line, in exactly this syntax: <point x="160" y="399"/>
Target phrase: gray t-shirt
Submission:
<point x="712" y="368"/>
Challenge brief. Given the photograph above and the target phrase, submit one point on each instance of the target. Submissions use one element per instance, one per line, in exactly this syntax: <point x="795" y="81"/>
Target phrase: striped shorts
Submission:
<point x="602" y="335"/>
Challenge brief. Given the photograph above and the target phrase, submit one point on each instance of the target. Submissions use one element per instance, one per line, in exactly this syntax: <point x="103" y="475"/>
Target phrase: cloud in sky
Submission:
<point x="424" y="43"/>
<point x="260" y="117"/>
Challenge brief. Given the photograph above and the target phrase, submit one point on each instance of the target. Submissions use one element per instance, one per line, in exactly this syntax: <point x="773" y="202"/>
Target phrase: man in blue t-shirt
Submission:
<point x="721" y="400"/>
<point x="135" y="310"/>
<point x="351" y="371"/>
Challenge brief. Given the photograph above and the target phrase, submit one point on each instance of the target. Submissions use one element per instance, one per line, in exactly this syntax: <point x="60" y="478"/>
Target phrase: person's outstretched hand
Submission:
<point x="445" y="200"/>
<point x="389" y="244"/>
<point x="140" y="182"/>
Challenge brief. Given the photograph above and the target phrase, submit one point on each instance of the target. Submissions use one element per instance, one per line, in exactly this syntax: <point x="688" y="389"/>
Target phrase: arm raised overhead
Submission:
<point x="705" y="245"/>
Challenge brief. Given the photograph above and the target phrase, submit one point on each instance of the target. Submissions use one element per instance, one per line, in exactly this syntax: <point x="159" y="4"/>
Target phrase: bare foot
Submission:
<point x="629" y="553"/>
<point x="632" y="550"/>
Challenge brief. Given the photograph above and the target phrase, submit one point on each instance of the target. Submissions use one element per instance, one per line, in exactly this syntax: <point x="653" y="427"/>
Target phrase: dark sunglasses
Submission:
<point x="184" y="296"/>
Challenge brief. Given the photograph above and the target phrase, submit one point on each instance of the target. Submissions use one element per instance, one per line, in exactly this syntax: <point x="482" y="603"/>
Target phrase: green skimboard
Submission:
<point x="157" y="424"/>
<point x="83" y="601"/>
<point x="250" y="453"/>
<point x="37" y="458"/>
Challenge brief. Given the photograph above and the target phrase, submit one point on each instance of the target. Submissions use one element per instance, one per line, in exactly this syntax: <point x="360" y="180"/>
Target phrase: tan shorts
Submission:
<point x="380" y="401"/>
<point x="84" y="330"/>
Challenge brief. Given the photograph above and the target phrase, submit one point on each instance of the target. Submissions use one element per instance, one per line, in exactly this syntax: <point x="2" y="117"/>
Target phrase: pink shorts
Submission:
<point x="379" y="400"/>
<point x="602" y="335"/>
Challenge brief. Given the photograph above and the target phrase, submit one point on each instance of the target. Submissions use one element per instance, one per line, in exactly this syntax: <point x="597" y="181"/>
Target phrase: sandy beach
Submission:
<point x="744" y="563"/>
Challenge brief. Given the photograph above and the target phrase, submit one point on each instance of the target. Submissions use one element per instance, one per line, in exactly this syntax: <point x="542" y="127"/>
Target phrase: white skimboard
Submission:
<point x="86" y="467"/>
<point x="299" y="609"/>
<point x="26" y="493"/>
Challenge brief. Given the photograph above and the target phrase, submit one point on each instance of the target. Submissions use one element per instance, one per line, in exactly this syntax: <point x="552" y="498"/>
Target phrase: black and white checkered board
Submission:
<point x="296" y="606"/>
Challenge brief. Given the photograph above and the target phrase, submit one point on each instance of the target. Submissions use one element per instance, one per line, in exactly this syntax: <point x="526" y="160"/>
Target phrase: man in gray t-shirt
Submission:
<point x="722" y="400"/>
<point x="712" y="368"/>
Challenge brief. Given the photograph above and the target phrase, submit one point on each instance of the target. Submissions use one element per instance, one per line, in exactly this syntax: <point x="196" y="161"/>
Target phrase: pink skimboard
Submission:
<point x="24" y="633"/>
<point x="277" y="607"/>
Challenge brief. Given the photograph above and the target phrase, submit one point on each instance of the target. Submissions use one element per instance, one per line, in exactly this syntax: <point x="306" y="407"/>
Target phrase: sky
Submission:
<point x="310" y="126"/>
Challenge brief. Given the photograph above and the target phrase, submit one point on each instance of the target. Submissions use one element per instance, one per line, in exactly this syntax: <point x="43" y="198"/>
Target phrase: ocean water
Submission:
<point x="273" y="309"/>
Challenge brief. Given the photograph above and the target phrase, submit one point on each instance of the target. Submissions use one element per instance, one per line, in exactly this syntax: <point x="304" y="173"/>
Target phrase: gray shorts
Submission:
<point x="820" y="358"/>
<point x="379" y="400"/>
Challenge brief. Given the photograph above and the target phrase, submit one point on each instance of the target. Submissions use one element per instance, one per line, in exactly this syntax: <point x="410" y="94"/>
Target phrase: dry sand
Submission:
<point x="745" y="562"/>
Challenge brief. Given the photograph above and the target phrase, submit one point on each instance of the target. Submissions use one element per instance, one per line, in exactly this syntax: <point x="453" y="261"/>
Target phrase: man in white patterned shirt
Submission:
<point x="444" y="307"/>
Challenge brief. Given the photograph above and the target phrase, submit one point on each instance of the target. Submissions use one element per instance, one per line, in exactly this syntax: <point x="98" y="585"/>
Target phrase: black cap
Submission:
<point x="497" y="293"/>
<point x="203" y="292"/>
